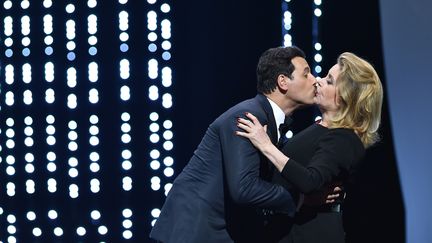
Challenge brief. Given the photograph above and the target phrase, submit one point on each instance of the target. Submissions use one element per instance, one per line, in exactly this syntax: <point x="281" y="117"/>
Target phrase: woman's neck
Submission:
<point x="326" y="118"/>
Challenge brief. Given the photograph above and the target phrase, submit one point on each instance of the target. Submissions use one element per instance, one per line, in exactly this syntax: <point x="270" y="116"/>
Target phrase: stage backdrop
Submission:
<point x="407" y="39"/>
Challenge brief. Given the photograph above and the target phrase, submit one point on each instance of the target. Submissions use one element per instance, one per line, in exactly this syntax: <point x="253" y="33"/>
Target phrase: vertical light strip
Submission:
<point x="125" y="127"/>
<point x="93" y="77"/>
<point x="72" y="98"/>
<point x="286" y="33"/>
<point x="28" y="101"/>
<point x="8" y="43"/>
<point x="8" y="29"/>
<point x="10" y="171"/>
<point x="286" y="23"/>
<point x="315" y="38"/>
<point x="316" y="67"/>
<point x="127" y="223"/>
<point x="159" y="91"/>
<point x="11" y="219"/>
<point x="93" y="98"/>
<point x="72" y="153"/>
<point x="10" y="122"/>
<point x="50" y="119"/>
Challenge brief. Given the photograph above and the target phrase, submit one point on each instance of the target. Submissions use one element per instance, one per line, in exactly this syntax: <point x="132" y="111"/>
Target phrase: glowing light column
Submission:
<point x="159" y="92"/>
<point x="125" y="127"/>
<point x="50" y="119"/>
<point x="315" y="38"/>
<point x="286" y="23"/>
<point x="93" y="98"/>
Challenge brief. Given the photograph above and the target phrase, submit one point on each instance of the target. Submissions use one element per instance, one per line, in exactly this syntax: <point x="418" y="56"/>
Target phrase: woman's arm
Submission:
<point x="337" y="151"/>
<point x="257" y="134"/>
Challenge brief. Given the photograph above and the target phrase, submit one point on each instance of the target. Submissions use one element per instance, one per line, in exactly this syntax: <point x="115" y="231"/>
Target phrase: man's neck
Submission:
<point x="288" y="106"/>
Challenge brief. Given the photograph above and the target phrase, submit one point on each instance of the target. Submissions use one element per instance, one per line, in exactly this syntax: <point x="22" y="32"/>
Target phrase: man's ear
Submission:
<point x="283" y="82"/>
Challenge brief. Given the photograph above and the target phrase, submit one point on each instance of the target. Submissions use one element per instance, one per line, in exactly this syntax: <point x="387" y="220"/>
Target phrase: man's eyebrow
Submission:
<point x="306" y="70"/>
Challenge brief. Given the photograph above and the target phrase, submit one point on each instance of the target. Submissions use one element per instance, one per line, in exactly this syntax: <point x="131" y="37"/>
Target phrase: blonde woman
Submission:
<point x="350" y="99"/>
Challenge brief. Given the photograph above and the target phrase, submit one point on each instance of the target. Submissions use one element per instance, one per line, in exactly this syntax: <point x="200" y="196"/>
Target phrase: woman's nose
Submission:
<point x="319" y="82"/>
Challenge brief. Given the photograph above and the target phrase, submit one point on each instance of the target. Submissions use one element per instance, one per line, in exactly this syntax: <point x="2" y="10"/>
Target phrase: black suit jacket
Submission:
<point x="216" y="196"/>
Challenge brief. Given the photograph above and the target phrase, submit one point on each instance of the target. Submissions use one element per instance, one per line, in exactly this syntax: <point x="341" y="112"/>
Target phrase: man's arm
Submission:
<point x="241" y="161"/>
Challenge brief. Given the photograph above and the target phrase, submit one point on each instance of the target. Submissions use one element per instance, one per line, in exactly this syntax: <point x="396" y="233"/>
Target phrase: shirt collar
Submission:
<point x="278" y="113"/>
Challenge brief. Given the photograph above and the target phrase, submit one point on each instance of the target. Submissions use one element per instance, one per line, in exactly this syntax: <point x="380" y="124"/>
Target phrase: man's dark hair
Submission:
<point x="272" y="63"/>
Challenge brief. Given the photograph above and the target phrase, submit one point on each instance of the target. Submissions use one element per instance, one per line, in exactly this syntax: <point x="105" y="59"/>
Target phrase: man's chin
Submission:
<point x="310" y="102"/>
<point x="305" y="105"/>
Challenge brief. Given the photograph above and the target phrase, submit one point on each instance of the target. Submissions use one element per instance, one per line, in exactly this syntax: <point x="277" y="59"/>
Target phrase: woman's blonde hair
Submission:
<point x="360" y="96"/>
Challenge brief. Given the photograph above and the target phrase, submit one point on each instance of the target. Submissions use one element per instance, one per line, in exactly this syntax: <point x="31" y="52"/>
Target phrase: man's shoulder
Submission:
<point x="253" y="105"/>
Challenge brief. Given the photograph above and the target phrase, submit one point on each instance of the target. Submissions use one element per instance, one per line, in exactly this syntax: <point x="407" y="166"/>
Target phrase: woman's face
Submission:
<point x="325" y="95"/>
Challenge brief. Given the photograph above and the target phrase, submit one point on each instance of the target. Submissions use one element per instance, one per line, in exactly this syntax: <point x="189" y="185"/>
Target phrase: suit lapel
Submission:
<point x="266" y="167"/>
<point x="271" y="126"/>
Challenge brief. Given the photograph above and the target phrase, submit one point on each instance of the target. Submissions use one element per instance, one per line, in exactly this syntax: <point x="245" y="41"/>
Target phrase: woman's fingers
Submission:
<point x="253" y="118"/>
<point x="242" y="134"/>
<point x="337" y="189"/>
<point x="250" y="127"/>
<point x="244" y="122"/>
<point x="333" y="196"/>
<point x="244" y="127"/>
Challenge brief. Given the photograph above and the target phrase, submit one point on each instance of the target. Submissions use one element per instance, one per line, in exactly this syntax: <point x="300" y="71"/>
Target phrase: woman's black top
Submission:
<point x="319" y="156"/>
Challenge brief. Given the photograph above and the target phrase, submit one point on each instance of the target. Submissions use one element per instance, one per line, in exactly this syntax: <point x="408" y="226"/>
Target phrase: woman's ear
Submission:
<point x="338" y="100"/>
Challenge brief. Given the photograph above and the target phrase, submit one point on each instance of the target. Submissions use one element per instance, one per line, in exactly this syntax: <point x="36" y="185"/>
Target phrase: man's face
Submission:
<point x="301" y="86"/>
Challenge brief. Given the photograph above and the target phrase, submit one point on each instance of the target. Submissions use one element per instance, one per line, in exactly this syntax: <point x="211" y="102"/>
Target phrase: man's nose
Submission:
<point x="313" y="79"/>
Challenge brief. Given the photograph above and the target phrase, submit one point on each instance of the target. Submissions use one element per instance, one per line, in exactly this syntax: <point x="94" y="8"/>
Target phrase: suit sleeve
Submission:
<point x="337" y="152"/>
<point x="242" y="166"/>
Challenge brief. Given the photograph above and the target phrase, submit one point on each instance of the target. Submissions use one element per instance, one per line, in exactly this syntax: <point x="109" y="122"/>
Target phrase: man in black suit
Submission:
<point x="219" y="195"/>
